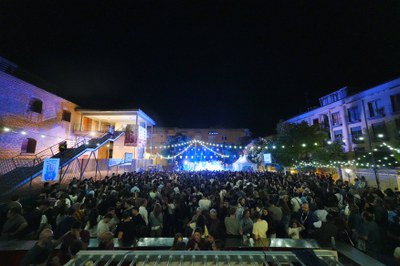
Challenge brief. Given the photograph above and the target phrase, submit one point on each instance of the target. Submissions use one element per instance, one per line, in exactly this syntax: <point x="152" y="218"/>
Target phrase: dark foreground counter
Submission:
<point x="278" y="250"/>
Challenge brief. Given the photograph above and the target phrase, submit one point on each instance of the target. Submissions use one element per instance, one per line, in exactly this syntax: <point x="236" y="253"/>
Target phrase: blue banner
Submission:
<point x="50" y="169"/>
<point x="128" y="157"/>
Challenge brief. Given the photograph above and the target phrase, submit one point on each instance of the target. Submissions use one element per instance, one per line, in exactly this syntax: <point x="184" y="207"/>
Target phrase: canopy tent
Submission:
<point x="243" y="163"/>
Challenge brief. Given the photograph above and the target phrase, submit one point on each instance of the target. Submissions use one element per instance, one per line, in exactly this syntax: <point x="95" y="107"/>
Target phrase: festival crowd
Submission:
<point x="206" y="207"/>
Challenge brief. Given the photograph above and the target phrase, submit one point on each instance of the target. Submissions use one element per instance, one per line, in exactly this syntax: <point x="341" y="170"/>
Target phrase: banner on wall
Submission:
<point x="50" y="169"/>
<point x="128" y="157"/>
<point x="131" y="135"/>
<point x="267" y="158"/>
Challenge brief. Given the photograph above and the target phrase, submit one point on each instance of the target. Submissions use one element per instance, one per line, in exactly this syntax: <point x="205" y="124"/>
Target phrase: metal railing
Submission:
<point x="20" y="161"/>
<point x="174" y="257"/>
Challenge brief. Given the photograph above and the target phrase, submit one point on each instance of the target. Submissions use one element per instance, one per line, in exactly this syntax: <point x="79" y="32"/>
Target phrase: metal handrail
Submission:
<point x="17" y="162"/>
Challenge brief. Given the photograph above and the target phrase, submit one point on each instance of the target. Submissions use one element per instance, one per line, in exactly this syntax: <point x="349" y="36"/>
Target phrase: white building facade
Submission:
<point x="361" y="121"/>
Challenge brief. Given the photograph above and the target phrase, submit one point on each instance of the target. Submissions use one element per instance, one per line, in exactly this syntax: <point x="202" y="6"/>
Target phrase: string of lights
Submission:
<point x="219" y="154"/>
<point x="176" y="155"/>
<point x="25" y="132"/>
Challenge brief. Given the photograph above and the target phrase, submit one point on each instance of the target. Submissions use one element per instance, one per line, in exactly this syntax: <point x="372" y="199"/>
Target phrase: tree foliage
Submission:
<point x="171" y="143"/>
<point x="301" y="142"/>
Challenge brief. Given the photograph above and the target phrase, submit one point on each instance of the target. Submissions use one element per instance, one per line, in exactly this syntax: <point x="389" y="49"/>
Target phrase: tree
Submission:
<point x="174" y="145"/>
<point x="301" y="142"/>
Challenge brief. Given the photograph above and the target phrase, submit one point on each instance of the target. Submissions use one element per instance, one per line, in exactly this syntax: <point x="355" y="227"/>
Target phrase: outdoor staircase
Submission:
<point x="19" y="170"/>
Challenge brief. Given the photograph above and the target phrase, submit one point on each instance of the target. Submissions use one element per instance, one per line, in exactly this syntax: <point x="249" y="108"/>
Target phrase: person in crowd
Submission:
<point x="196" y="242"/>
<point x="106" y="241"/>
<point x="247" y="223"/>
<point x="156" y="221"/>
<point x="240" y="208"/>
<point x="232" y="224"/>
<point x="260" y="228"/>
<point x="93" y="220"/>
<point x="178" y="243"/>
<point x="102" y="226"/>
<point x="139" y="223"/>
<point x="143" y="211"/>
<point x="294" y="229"/>
<point x="214" y="224"/>
<point x="205" y="203"/>
<point x="40" y="253"/>
<point x="307" y="218"/>
<point x="66" y="223"/>
<point x="127" y="231"/>
<point x="302" y="196"/>
<point x="76" y="233"/>
<point x="15" y="224"/>
<point x="369" y="233"/>
<point x="74" y="248"/>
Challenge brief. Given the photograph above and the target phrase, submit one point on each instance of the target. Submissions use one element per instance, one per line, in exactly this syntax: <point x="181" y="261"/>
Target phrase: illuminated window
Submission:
<point x="354" y="114"/>
<point x="375" y="108"/>
<point x="66" y="116"/>
<point x="36" y="106"/>
<point x="336" y="121"/>
<point x="356" y="133"/>
<point x="338" y="134"/>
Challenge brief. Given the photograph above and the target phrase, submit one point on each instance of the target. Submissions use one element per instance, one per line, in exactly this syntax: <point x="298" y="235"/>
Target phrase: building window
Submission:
<point x="336" y="119"/>
<point x="354" y="114"/>
<point x="36" y="106"/>
<point x="395" y="100"/>
<point x="375" y="108"/>
<point x="338" y="135"/>
<point x="324" y="121"/>
<point x="356" y="133"/>
<point x="28" y="145"/>
<point x="66" y="116"/>
<point x="379" y="131"/>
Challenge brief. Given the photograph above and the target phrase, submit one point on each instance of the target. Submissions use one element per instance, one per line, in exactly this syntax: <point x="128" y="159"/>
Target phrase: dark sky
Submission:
<point x="204" y="63"/>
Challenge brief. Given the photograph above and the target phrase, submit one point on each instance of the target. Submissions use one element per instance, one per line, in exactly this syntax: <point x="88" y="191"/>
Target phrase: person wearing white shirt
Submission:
<point x="143" y="211"/>
<point x="294" y="229"/>
<point x="296" y="203"/>
<point x="205" y="203"/>
<point x="102" y="226"/>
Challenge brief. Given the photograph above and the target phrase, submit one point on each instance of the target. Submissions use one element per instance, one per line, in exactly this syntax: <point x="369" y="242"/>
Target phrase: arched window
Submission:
<point x="36" y="106"/>
<point x="28" y="146"/>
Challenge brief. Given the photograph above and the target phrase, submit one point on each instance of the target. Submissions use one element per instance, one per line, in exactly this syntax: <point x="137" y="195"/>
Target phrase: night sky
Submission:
<point x="204" y="63"/>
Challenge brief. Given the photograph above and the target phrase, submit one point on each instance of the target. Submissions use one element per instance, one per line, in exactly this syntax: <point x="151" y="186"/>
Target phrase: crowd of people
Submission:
<point x="206" y="207"/>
